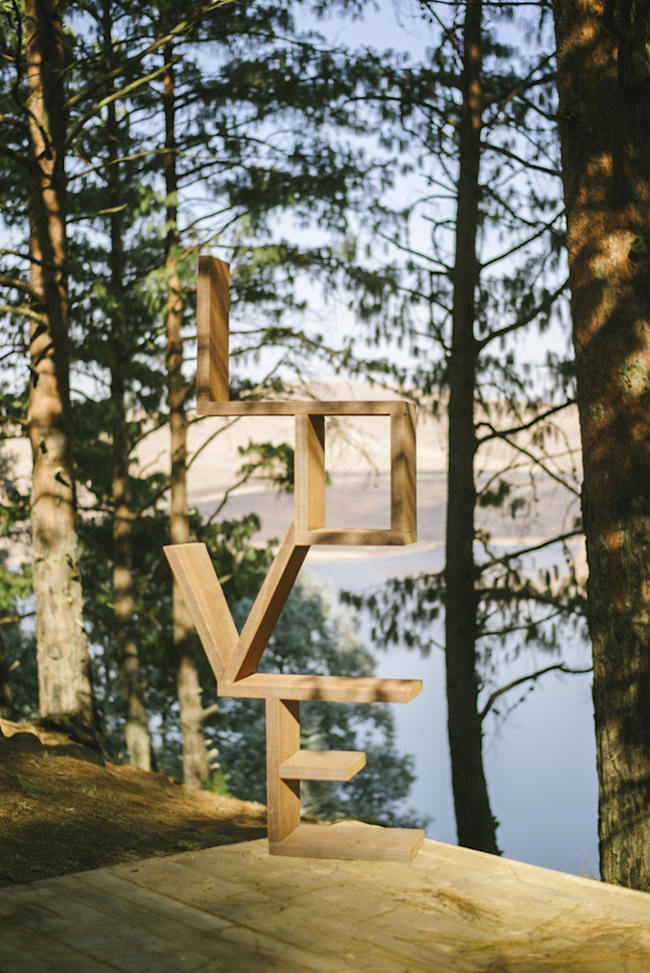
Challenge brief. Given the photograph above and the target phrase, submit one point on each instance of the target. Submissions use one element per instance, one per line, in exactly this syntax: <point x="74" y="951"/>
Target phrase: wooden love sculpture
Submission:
<point x="234" y="656"/>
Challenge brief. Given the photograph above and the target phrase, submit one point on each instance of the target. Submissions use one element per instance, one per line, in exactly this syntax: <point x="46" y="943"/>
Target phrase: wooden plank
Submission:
<point x="212" y="892"/>
<point x="280" y="950"/>
<point x="212" y="310"/>
<point x="267" y="608"/>
<point x="403" y="502"/>
<point x="282" y="741"/>
<point x="24" y="948"/>
<point x="334" y="689"/>
<point x="206" y="602"/>
<point x="186" y="934"/>
<point x="309" y="472"/>
<point x="451" y="910"/>
<point x="350" y="842"/>
<point x="251" y="938"/>
<point x="14" y="959"/>
<point x="82" y="930"/>
<point x="301" y="407"/>
<point x="355" y="537"/>
<point x="189" y="937"/>
<point x="323" y="765"/>
<point x="298" y="939"/>
<point x="246" y="865"/>
<point x="174" y="918"/>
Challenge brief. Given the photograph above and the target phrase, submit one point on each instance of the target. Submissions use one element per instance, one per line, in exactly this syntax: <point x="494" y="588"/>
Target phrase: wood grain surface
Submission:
<point x="235" y="908"/>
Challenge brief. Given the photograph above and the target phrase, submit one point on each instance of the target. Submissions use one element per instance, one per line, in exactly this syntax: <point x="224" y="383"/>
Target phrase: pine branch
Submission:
<point x="23" y="311"/>
<point x="445" y="269"/>
<point x="505" y="433"/>
<point x="540" y="231"/>
<point x="525" y="84"/>
<point x="546" y="115"/>
<point x="10" y="619"/>
<point x="525" y="163"/>
<point x="10" y="153"/>
<point x="19" y="285"/>
<point x="497" y="633"/>
<point x="532" y="676"/>
<point x="543" y="467"/>
<point x="115" y="95"/>
<point x="181" y="28"/>
<point x="210" y="439"/>
<point x="520" y="552"/>
<point x="548" y="301"/>
<point x="21" y="256"/>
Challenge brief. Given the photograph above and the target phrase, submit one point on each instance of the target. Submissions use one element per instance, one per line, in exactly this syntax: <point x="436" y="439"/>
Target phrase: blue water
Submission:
<point x="539" y="759"/>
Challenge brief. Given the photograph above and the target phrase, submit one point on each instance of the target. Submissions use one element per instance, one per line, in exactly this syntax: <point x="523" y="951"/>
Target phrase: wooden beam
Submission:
<point x="309" y="472"/>
<point x="356" y="536"/>
<point x="350" y="841"/>
<point x="206" y="602"/>
<point x="403" y="503"/>
<point x="282" y="742"/>
<point x="334" y="689"/>
<point x="267" y="607"/>
<point x="323" y="765"/>
<point x="301" y="407"/>
<point x="212" y="312"/>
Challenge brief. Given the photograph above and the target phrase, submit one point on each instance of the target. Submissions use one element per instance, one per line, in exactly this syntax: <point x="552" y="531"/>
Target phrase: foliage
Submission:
<point x="241" y="567"/>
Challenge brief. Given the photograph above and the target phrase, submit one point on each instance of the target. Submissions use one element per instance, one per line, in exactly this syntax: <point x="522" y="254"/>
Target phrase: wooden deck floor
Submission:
<point x="236" y="909"/>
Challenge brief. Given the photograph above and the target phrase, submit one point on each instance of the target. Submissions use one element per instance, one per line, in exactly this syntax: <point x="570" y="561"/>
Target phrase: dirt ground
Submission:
<point x="64" y="809"/>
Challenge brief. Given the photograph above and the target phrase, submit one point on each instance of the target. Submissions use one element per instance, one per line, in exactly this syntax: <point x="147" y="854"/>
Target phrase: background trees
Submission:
<point x="427" y="192"/>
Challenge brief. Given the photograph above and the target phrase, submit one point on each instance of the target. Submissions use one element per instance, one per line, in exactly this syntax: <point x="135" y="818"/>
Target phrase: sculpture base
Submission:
<point x="350" y="840"/>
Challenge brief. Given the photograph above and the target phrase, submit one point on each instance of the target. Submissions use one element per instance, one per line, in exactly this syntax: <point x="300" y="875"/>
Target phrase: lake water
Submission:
<point x="539" y="759"/>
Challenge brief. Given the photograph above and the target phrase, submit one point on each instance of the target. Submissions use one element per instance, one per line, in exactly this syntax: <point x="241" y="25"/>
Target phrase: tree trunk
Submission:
<point x="196" y="764"/>
<point x="62" y="648"/>
<point x="136" y="729"/>
<point x="7" y="711"/>
<point x="474" y="820"/>
<point x="604" y="74"/>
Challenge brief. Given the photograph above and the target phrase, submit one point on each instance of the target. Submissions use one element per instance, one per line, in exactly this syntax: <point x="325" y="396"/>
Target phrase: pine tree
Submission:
<point x="603" y="77"/>
<point x="63" y="658"/>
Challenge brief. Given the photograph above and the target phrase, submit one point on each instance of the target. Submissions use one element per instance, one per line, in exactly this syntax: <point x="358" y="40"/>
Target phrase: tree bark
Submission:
<point x="62" y="648"/>
<point x="603" y="75"/>
<point x="7" y="710"/>
<point x="475" y="823"/>
<point x="196" y="763"/>
<point x="136" y="728"/>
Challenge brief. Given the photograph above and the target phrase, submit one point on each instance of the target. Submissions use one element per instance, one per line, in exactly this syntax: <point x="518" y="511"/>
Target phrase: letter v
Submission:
<point x="234" y="656"/>
<point x="206" y="602"/>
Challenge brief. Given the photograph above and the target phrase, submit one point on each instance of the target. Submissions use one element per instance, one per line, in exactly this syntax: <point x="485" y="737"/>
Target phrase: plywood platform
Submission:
<point x="237" y="909"/>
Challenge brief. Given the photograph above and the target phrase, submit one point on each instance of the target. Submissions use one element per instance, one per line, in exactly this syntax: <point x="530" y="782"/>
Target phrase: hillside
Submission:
<point x="63" y="808"/>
